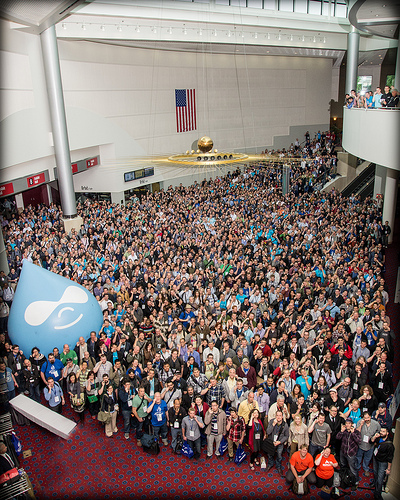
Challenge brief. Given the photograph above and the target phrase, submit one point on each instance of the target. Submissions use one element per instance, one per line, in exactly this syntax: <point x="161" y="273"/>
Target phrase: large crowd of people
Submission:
<point x="230" y="311"/>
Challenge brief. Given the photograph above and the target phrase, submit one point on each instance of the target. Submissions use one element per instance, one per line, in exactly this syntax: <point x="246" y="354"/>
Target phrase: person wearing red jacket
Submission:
<point x="256" y="436"/>
<point x="348" y="352"/>
<point x="248" y="374"/>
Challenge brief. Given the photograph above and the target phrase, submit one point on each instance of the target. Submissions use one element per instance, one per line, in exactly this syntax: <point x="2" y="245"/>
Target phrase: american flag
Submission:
<point x="185" y="106"/>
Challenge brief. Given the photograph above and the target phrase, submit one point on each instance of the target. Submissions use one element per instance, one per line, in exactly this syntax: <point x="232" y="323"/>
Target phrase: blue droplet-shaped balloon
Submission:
<point x="49" y="311"/>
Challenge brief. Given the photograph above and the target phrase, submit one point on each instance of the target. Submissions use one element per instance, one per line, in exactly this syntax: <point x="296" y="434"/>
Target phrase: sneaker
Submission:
<point x="165" y="442"/>
<point x="126" y="435"/>
<point x="139" y="443"/>
<point x="325" y="489"/>
<point x="208" y="457"/>
<point x="230" y="459"/>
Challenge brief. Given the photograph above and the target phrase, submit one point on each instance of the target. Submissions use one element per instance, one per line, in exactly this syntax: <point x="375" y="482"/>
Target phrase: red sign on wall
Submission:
<point x="92" y="162"/>
<point x="36" y="180"/>
<point x="74" y="167"/>
<point x="6" y="189"/>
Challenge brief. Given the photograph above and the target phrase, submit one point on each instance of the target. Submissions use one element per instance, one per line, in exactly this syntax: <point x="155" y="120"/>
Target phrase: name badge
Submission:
<point x="380" y="385"/>
<point x="257" y="436"/>
<point x="191" y="434"/>
<point x="376" y="451"/>
<point x="215" y="427"/>
<point x="56" y="399"/>
<point x="130" y="403"/>
<point x="275" y="438"/>
<point x="176" y="424"/>
<point x="365" y="439"/>
<point x="151" y="393"/>
<point x="18" y="365"/>
<point x="55" y="374"/>
<point x="355" y="386"/>
<point x="159" y="417"/>
<point x="244" y="381"/>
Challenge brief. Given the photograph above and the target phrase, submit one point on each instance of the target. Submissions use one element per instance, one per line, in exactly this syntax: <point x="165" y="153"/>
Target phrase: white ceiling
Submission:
<point x="379" y="17"/>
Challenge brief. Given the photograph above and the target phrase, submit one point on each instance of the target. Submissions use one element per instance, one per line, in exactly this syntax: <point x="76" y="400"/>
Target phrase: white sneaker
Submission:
<point x="165" y="442"/>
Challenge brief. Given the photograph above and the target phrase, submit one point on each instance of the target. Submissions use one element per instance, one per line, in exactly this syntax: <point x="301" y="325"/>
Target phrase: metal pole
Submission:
<point x="353" y="43"/>
<point x="59" y="124"/>
<point x="397" y="71"/>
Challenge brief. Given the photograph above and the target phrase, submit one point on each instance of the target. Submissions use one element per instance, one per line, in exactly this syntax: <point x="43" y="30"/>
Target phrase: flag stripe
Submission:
<point x="185" y="105"/>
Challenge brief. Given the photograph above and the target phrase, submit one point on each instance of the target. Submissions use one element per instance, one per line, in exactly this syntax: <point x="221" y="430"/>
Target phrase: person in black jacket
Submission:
<point x="151" y="384"/>
<point x="15" y="361"/>
<point x="110" y="405"/>
<point x="383" y="457"/>
<point x="6" y="462"/>
<point x="335" y="421"/>
<point x="31" y="376"/>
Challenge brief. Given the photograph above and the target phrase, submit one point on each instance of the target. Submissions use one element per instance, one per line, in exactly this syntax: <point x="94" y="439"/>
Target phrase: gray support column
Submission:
<point x="397" y="74"/>
<point x="353" y="43"/>
<point x="3" y="255"/>
<point x="58" y="121"/>
<point x="390" y="198"/>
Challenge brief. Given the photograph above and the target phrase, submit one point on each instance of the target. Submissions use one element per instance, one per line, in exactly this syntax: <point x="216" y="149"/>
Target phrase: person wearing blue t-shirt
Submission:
<point x="353" y="411"/>
<point x="159" y="417"/>
<point x="53" y="367"/>
<point x="304" y="382"/>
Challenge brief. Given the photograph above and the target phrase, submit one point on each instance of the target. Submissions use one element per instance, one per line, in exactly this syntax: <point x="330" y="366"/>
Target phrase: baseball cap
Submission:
<point x="349" y="420"/>
<point x="381" y="405"/>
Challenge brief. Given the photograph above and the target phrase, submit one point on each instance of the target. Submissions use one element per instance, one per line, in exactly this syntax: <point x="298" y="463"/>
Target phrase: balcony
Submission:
<point x="373" y="134"/>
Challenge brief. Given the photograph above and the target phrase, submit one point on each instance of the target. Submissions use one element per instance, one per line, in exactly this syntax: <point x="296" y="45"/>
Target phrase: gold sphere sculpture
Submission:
<point x="205" y="144"/>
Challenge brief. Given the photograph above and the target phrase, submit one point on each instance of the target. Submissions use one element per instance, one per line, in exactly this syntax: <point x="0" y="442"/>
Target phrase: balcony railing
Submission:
<point x="373" y="134"/>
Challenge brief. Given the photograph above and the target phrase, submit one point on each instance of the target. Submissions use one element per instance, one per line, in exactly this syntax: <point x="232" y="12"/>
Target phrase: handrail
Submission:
<point x="372" y="109"/>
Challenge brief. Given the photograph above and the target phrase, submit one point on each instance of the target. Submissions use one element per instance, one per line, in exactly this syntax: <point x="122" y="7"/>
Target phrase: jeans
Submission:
<point x="34" y="392"/>
<point x="139" y="427"/>
<point x="278" y="451"/>
<point x="379" y="477"/>
<point x="126" y="415"/>
<point x="210" y="444"/>
<point x="160" y="430"/>
<point x="196" y="447"/>
<point x="364" y="457"/>
<point x="313" y="449"/>
<point x="174" y="435"/>
<point x="350" y="462"/>
<point x="311" y="478"/>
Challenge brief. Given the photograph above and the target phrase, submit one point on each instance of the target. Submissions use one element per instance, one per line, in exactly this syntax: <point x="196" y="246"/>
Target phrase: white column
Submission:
<point x="390" y="199"/>
<point x="353" y="43"/>
<point x="397" y="71"/>
<point x="3" y="255"/>
<point x="58" y="121"/>
<point x="118" y="198"/>
<point x="19" y="201"/>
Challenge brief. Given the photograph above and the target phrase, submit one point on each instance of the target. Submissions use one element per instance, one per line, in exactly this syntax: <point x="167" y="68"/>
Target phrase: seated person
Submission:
<point x="301" y="467"/>
<point x="325" y="467"/>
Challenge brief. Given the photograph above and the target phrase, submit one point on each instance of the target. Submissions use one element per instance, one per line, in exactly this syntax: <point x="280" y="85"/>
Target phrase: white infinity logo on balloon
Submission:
<point x="37" y="312"/>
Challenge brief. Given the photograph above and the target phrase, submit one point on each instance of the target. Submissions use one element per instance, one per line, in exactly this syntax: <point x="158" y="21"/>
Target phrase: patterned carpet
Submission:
<point x="92" y="466"/>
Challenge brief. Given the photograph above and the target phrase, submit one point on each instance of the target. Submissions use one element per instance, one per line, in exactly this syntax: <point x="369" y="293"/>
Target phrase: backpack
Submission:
<point x="150" y="444"/>
<point x="347" y="478"/>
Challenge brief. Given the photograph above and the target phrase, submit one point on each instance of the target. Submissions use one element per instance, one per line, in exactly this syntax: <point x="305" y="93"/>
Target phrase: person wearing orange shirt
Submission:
<point x="301" y="467"/>
<point x="325" y="467"/>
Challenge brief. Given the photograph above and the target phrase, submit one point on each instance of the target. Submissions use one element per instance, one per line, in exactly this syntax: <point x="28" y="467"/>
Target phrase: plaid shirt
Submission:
<point x="199" y="383"/>
<point x="236" y="430"/>
<point x="350" y="442"/>
<point x="215" y="394"/>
